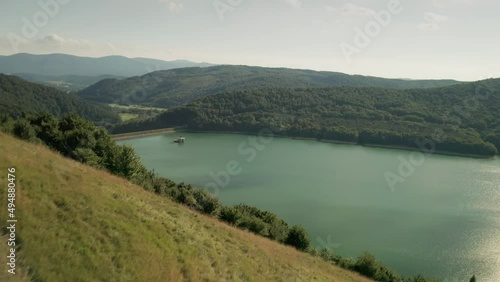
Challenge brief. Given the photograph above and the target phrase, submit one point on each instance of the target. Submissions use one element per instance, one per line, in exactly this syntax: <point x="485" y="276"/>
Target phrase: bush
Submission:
<point x="278" y="230"/>
<point x="418" y="278"/>
<point x="87" y="156"/>
<point x="230" y="215"/>
<point x="298" y="238"/>
<point x="366" y="265"/>
<point x="6" y="124"/>
<point x="24" y="130"/>
<point x="206" y="203"/>
<point x="255" y="225"/>
<point x="163" y="186"/>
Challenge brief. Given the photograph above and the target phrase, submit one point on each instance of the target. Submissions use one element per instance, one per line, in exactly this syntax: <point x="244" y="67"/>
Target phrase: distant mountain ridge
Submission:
<point x="177" y="87"/>
<point x="62" y="64"/>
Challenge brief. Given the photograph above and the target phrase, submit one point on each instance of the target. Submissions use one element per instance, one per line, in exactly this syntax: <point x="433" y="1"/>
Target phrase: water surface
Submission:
<point x="443" y="221"/>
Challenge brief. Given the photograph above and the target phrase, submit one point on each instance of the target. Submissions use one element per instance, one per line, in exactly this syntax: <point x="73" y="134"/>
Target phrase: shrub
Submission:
<point x="206" y="203"/>
<point x="298" y="238"/>
<point x="255" y="225"/>
<point x="24" y="130"/>
<point x="87" y="156"/>
<point x="366" y="265"/>
<point x="6" y="124"/>
<point x="230" y="215"/>
<point x="278" y="230"/>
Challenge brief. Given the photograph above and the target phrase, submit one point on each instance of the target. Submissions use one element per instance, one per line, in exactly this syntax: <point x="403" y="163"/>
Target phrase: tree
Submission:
<point x="6" y="123"/>
<point x="473" y="278"/>
<point x="77" y="131"/>
<point x="48" y="130"/>
<point x="298" y="238"/>
<point x="24" y="130"/>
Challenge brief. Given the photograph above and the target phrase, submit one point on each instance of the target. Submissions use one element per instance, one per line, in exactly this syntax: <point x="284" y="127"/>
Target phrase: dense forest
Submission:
<point x="172" y="88"/>
<point x="19" y="96"/>
<point x="459" y="119"/>
<point x="82" y="141"/>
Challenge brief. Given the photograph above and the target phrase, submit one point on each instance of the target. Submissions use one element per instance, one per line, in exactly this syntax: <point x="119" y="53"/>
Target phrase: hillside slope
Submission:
<point x="18" y="96"/>
<point x="76" y="223"/>
<point x="179" y="86"/>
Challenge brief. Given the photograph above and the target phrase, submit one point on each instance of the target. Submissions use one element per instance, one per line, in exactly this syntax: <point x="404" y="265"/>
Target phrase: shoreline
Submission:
<point x="138" y="134"/>
<point x="436" y="152"/>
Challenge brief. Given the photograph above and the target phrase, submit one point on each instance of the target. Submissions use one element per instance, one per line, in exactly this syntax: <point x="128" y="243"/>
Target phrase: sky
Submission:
<point x="434" y="39"/>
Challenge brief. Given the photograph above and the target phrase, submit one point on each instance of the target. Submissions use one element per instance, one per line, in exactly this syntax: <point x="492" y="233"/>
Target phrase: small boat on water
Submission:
<point x="180" y="139"/>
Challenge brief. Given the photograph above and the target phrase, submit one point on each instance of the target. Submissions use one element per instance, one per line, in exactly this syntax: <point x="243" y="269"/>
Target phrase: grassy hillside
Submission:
<point x="179" y="86"/>
<point x="76" y="223"/>
<point x="18" y="96"/>
<point x="465" y="116"/>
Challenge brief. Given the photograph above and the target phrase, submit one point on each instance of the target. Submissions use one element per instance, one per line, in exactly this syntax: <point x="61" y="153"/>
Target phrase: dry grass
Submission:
<point x="81" y="224"/>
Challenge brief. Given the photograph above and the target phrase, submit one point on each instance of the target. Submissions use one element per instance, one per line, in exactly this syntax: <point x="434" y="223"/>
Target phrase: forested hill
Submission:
<point x="19" y="96"/>
<point x="180" y="86"/>
<point x="460" y="119"/>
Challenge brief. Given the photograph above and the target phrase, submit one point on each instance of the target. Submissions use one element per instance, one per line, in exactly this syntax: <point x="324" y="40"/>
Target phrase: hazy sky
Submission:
<point x="457" y="39"/>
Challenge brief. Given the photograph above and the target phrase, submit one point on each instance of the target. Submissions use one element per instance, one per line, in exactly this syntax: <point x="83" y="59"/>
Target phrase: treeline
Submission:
<point x="459" y="119"/>
<point x="81" y="140"/>
<point x="19" y="96"/>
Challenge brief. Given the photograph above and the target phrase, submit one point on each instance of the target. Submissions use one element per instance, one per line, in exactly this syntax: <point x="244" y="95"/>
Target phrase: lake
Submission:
<point x="441" y="218"/>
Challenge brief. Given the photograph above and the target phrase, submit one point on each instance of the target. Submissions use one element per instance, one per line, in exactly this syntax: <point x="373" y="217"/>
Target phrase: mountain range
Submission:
<point x="62" y="64"/>
<point x="71" y="73"/>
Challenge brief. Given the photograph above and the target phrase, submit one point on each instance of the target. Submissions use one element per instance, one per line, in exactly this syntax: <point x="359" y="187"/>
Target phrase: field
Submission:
<point x="131" y="112"/>
<point x="136" y="107"/>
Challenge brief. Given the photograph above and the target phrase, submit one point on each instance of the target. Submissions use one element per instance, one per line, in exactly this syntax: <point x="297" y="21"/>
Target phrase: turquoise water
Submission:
<point x="443" y="221"/>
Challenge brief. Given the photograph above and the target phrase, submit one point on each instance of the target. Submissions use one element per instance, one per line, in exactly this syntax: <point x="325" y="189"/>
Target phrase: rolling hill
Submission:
<point x="20" y="96"/>
<point x="77" y="223"/>
<point x="464" y="117"/>
<point x="179" y="86"/>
